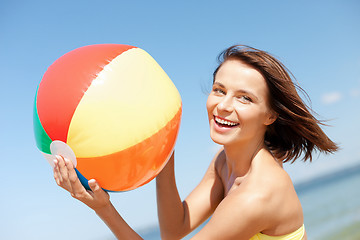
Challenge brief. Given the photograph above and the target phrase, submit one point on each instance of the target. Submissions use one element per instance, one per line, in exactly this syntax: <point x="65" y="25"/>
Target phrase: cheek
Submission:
<point x="210" y="105"/>
<point x="247" y="113"/>
<point x="244" y="110"/>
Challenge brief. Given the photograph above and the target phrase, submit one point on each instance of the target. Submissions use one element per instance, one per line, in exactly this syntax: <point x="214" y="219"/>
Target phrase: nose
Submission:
<point x="226" y="104"/>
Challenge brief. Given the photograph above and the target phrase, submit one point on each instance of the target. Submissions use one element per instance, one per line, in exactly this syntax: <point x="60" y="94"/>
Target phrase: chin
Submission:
<point x="219" y="139"/>
<point x="217" y="142"/>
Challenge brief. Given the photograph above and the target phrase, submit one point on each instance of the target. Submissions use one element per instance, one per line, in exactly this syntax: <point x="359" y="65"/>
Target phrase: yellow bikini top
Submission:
<point x="297" y="235"/>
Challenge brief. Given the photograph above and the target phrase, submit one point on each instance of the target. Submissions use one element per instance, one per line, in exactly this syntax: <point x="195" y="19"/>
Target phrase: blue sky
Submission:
<point x="317" y="40"/>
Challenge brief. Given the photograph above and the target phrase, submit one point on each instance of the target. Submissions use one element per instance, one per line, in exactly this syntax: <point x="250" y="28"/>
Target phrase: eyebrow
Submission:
<point x="237" y="91"/>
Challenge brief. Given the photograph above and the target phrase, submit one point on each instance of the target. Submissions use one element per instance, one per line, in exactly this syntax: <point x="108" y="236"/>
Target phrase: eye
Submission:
<point x="219" y="91"/>
<point x="245" y="99"/>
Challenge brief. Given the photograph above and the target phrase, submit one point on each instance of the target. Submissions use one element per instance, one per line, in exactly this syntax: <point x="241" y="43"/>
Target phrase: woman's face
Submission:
<point x="238" y="104"/>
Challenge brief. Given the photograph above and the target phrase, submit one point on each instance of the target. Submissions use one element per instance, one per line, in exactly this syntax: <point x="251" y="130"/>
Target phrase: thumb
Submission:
<point x="94" y="186"/>
<point x="99" y="198"/>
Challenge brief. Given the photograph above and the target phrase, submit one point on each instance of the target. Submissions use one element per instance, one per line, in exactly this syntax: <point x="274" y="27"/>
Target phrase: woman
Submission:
<point x="256" y="114"/>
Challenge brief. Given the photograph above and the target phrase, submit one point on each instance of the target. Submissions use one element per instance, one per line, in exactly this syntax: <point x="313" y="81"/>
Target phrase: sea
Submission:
<point x="331" y="205"/>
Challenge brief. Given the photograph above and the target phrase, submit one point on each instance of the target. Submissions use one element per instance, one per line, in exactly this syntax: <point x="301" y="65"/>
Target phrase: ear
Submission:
<point x="272" y="116"/>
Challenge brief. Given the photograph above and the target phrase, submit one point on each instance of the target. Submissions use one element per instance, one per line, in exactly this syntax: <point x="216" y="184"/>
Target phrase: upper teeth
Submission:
<point x="225" y="122"/>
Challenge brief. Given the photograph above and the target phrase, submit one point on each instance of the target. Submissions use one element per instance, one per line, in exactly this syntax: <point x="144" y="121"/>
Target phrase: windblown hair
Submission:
<point x="296" y="131"/>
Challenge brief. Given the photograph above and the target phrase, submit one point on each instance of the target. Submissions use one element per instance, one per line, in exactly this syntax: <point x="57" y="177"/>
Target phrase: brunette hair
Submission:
<point x="296" y="131"/>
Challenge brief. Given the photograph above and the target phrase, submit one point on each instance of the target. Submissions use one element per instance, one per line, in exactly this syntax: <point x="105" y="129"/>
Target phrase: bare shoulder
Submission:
<point x="273" y="190"/>
<point x="271" y="176"/>
<point x="264" y="201"/>
<point x="219" y="160"/>
<point x="238" y="216"/>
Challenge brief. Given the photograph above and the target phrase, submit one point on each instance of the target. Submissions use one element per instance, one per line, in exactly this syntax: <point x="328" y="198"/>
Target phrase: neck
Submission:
<point x="239" y="156"/>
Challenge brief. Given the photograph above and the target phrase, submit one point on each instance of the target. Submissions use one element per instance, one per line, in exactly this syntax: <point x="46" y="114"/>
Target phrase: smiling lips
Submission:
<point x="224" y="122"/>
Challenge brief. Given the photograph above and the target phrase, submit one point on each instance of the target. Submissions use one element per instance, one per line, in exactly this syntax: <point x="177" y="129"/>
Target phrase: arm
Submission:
<point x="239" y="216"/>
<point x="97" y="199"/>
<point x="177" y="218"/>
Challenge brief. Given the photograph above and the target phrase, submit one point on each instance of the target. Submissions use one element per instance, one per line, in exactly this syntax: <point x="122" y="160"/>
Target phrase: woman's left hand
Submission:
<point x="66" y="177"/>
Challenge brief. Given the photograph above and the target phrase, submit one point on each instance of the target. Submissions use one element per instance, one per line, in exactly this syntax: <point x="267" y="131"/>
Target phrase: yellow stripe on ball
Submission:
<point x="131" y="99"/>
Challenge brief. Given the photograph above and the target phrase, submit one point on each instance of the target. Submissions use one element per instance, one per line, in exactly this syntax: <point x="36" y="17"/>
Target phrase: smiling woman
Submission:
<point x="296" y="130"/>
<point x="237" y="106"/>
<point x="256" y="114"/>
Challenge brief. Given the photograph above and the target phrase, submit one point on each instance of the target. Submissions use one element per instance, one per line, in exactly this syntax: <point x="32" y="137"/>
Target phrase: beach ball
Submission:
<point x="112" y="110"/>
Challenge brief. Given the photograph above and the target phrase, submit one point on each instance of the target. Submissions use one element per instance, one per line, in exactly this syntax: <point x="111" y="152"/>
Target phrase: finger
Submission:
<point x="63" y="174"/>
<point x="62" y="167"/>
<point x="96" y="189"/>
<point x="78" y="191"/>
<point x="56" y="172"/>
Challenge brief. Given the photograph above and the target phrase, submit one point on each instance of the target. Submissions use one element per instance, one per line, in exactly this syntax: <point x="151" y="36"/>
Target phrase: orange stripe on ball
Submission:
<point x="117" y="172"/>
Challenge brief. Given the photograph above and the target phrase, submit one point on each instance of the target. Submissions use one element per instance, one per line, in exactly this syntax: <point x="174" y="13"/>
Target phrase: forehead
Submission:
<point x="236" y="74"/>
